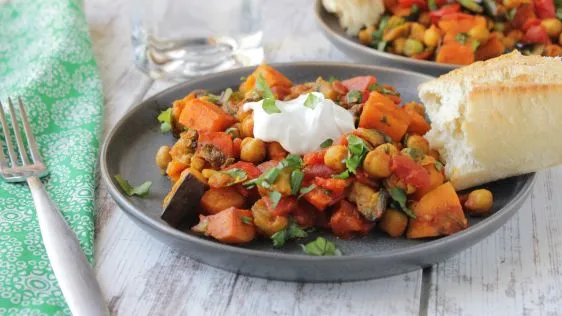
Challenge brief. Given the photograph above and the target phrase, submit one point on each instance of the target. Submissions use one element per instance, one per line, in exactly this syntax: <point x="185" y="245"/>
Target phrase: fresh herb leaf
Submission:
<point x="321" y="247"/>
<point x="251" y="183"/>
<point x="327" y="143"/>
<point x="354" y="96"/>
<point x="291" y="161"/>
<point x="381" y="46"/>
<point x="292" y="231"/>
<point x="401" y="198"/>
<point x="414" y="13"/>
<point x="296" y="181"/>
<point x="432" y="4"/>
<point x="213" y="98"/>
<point x="384" y="22"/>
<point x="510" y="14"/>
<point x="269" y="106"/>
<point x="306" y="190"/>
<point x="233" y="131"/>
<point x="415" y="153"/>
<point x="380" y="89"/>
<point x="461" y="38"/>
<point x="311" y="101"/>
<point x="238" y="175"/>
<point x="475" y="44"/>
<point x="357" y="150"/>
<point x="165" y="119"/>
<point x="439" y="166"/>
<point x="246" y="220"/>
<point x="140" y="191"/>
<point x="271" y="175"/>
<point x="263" y="87"/>
<point x="242" y="78"/>
<point x="343" y="175"/>
<point x="226" y="95"/>
<point x="332" y="79"/>
<point x="275" y="197"/>
<point x="559" y="13"/>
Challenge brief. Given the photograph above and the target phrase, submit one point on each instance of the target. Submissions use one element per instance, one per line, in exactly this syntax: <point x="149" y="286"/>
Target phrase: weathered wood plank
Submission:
<point x="516" y="271"/>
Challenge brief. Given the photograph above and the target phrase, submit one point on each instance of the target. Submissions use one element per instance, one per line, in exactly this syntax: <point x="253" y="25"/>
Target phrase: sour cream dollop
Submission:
<point x="299" y="128"/>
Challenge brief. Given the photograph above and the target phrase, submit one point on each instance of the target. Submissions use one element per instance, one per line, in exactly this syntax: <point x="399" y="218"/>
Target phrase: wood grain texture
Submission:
<point x="516" y="271"/>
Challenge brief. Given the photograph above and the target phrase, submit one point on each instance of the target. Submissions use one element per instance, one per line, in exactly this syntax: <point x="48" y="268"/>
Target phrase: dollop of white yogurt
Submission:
<point x="299" y="128"/>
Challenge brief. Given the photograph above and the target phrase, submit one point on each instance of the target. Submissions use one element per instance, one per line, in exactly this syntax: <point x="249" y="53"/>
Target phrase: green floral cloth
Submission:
<point x="46" y="57"/>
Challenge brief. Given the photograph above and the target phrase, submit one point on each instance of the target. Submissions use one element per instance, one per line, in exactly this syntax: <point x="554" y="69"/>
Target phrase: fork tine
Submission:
<point x="7" y="137"/>
<point x="17" y="133"/>
<point x="29" y="134"/>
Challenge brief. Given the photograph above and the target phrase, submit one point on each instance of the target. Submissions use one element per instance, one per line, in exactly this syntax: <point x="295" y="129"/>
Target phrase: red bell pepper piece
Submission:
<point x="360" y="83"/>
<point x="346" y="221"/>
<point x="265" y="166"/>
<point x="313" y="158"/>
<point x="445" y="10"/>
<point x="545" y="9"/>
<point x="422" y="4"/>
<point x="251" y="170"/>
<point x="317" y="170"/>
<point x="407" y="170"/>
<point x="286" y="205"/>
<point x="337" y="186"/>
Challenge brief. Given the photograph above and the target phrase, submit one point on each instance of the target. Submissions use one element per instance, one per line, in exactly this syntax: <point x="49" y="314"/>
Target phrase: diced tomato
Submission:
<point x="305" y="214"/>
<point x="251" y="170"/>
<point x="337" y="186"/>
<point x="236" y="144"/>
<point x="362" y="177"/>
<point x="346" y="221"/>
<point x="422" y="4"/>
<point x="265" y="166"/>
<point x="407" y="170"/>
<point x="317" y="170"/>
<point x="360" y="83"/>
<point x="530" y="23"/>
<point x="281" y="91"/>
<point x="545" y="9"/>
<point x="536" y="34"/>
<point x="222" y="141"/>
<point x="315" y="157"/>
<point x="445" y="10"/>
<point x="322" y="198"/>
<point x="524" y="12"/>
<point x="286" y="205"/>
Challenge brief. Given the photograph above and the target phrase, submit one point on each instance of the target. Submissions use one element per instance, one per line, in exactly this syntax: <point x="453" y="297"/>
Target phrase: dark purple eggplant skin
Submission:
<point x="182" y="206"/>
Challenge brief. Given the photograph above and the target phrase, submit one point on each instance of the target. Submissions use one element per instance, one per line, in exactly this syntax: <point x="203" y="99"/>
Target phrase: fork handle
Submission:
<point x="72" y="270"/>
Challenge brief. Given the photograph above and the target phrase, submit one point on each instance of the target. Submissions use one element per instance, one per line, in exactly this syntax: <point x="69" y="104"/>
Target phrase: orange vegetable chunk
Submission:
<point x="493" y="48"/>
<point x="380" y="112"/>
<point x="230" y="226"/>
<point x="274" y="79"/>
<point x="455" y="53"/>
<point x="204" y="116"/>
<point x="438" y="213"/>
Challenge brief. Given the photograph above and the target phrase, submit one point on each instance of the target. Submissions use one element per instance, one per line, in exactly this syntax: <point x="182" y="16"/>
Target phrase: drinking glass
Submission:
<point x="178" y="39"/>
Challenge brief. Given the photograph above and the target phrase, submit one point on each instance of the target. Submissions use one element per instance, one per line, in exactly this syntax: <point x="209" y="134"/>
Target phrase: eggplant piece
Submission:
<point x="183" y="199"/>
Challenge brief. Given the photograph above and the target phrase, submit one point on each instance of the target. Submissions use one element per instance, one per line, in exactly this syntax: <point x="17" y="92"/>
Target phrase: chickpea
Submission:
<point x="197" y="163"/>
<point x="425" y="19"/>
<point x="377" y="164"/>
<point x="276" y="151"/>
<point x="252" y="150"/>
<point x="396" y="32"/>
<point x="553" y="27"/>
<point x="517" y="35"/>
<point x="417" y="31"/>
<point x="415" y="106"/>
<point x="552" y="50"/>
<point x="266" y="223"/>
<point x="417" y="141"/>
<point x="247" y="127"/>
<point x="412" y="47"/>
<point x="398" y="45"/>
<point x="389" y="149"/>
<point x="394" y="222"/>
<point x="432" y="36"/>
<point x="480" y="33"/>
<point x="479" y="202"/>
<point x="366" y="36"/>
<point x="163" y="157"/>
<point x="335" y="156"/>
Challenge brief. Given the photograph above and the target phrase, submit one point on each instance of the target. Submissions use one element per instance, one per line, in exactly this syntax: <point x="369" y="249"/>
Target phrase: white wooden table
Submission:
<point x="516" y="271"/>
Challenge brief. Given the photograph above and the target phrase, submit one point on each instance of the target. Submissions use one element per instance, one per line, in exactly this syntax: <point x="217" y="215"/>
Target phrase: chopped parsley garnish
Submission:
<point x="291" y="161"/>
<point x="246" y="220"/>
<point x="559" y="13"/>
<point x="381" y="46"/>
<point x="165" y="119"/>
<point x="296" y="180"/>
<point x="432" y="4"/>
<point x="292" y="231"/>
<point x="332" y="79"/>
<point x="357" y="150"/>
<point x="344" y="175"/>
<point x="354" y="96"/>
<point x="327" y="143"/>
<point x="305" y="190"/>
<point x="321" y="247"/>
<point x="400" y="197"/>
<point x="268" y="105"/>
<point x="475" y="44"/>
<point x="311" y="101"/>
<point x="237" y="175"/>
<point x="415" y="153"/>
<point x="140" y="191"/>
<point x="439" y="166"/>
<point x="275" y="197"/>
<point x="380" y="89"/>
<point x="461" y="38"/>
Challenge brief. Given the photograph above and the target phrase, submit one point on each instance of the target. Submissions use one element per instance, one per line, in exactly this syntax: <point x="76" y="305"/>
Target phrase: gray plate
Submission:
<point x="350" y="46"/>
<point x="132" y="144"/>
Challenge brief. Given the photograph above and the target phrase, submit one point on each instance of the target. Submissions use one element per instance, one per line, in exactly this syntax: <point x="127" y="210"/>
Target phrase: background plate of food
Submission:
<point x="314" y="171"/>
<point x="437" y="36"/>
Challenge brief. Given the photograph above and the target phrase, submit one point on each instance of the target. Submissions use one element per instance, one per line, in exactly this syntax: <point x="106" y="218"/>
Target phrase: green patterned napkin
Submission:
<point x="46" y="57"/>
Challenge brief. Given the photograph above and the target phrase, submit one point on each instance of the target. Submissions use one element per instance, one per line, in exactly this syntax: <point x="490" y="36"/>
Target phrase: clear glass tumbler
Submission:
<point x="177" y="39"/>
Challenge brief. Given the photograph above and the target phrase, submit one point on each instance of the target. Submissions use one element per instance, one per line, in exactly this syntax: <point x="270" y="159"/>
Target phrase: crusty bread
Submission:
<point x="355" y="14"/>
<point x="497" y="118"/>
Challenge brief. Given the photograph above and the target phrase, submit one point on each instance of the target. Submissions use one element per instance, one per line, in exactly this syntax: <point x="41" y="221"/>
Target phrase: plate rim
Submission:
<point x="439" y="244"/>
<point x="320" y="11"/>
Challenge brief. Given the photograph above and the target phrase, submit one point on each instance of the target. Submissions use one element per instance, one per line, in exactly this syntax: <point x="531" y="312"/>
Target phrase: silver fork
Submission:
<point x="76" y="279"/>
